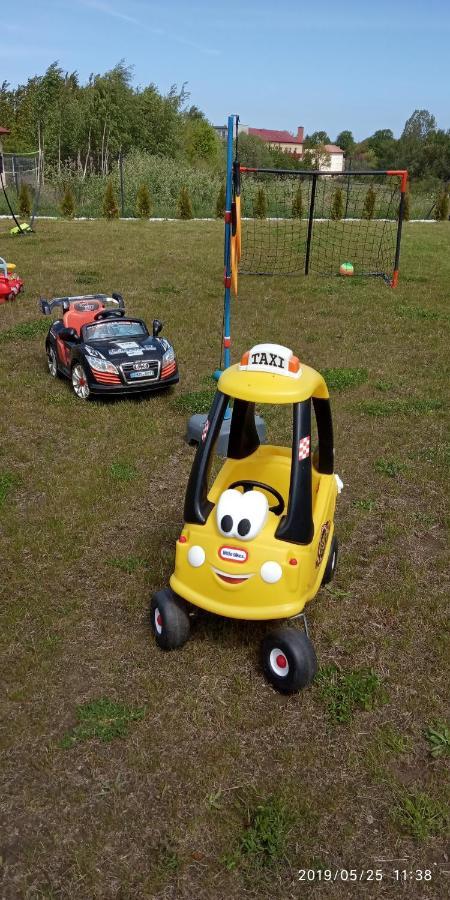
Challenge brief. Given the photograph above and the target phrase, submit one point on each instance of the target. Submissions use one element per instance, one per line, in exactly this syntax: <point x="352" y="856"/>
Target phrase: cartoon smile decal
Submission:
<point x="231" y="579"/>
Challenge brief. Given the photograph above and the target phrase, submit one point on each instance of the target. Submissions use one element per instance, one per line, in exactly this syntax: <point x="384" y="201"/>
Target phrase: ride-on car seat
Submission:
<point x="81" y="314"/>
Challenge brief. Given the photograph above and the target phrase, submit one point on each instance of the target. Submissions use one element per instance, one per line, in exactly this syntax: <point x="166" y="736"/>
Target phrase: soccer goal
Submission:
<point x="301" y="222"/>
<point x="17" y="169"/>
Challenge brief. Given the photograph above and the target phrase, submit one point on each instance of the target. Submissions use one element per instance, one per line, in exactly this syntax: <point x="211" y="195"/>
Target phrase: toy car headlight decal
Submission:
<point x="169" y="356"/>
<point x="241" y="516"/>
<point x="196" y="556"/>
<point x="102" y="365"/>
<point x="271" y="572"/>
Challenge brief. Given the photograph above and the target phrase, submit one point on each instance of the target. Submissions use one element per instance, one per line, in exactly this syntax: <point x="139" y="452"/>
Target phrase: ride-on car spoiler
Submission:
<point x="47" y="306"/>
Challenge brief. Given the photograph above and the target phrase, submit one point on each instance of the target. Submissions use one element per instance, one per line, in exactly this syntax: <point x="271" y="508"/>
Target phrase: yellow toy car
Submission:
<point x="259" y="542"/>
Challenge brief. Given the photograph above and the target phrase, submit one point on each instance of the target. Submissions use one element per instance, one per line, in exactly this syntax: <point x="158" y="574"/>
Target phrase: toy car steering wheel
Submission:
<point x="109" y="314"/>
<point x="248" y="485"/>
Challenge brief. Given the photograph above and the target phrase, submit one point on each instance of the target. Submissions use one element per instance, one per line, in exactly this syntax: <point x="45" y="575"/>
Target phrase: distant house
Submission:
<point x="280" y="140"/>
<point x="3" y="131"/>
<point x="331" y="158"/>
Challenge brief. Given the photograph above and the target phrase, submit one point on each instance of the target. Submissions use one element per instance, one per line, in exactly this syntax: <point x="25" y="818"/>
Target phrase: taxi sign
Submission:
<point x="273" y="358"/>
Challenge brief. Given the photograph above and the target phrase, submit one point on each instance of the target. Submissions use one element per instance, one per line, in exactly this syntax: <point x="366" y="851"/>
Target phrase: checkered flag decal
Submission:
<point x="304" y="448"/>
<point x="205" y="431"/>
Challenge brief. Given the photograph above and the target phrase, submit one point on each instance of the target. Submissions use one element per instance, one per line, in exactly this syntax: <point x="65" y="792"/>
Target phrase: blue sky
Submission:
<point x="278" y="64"/>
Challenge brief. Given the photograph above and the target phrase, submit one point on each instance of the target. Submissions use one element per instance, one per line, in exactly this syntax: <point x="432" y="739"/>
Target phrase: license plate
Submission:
<point x="148" y="373"/>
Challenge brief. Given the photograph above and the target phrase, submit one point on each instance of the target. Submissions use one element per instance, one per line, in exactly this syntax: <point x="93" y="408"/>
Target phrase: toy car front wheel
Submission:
<point x="52" y="362"/>
<point x="169" y="620"/>
<point x="289" y="659"/>
<point x="79" y="382"/>
<point x="331" y="565"/>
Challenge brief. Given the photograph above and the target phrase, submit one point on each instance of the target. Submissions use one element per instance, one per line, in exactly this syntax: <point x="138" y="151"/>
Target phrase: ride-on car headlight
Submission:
<point x="102" y="365"/>
<point x="169" y="356"/>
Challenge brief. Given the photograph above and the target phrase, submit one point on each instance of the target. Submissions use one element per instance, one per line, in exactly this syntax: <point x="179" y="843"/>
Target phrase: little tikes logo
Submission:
<point x="273" y="358"/>
<point x="233" y="554"/>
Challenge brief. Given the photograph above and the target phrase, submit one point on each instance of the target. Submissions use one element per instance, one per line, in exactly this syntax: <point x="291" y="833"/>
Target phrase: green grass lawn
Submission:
<point x="130" y="773"/>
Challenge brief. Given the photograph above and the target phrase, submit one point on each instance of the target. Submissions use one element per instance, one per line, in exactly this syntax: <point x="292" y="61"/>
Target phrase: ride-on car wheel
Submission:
<point x="330" y="567"/>
<point x="169" y="620"/>
<point x="79" y="382"/>
<point x="289" y="659"/>
<point x="52" y="362"/>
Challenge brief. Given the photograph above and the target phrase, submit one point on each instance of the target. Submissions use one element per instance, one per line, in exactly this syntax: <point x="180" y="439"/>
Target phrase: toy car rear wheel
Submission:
<point x="289" y="659"/>
<point x="52" y="362"/>
<point x="79" y="382"/>
<point x="331" y="565"/>
<point x="169" y="619"/>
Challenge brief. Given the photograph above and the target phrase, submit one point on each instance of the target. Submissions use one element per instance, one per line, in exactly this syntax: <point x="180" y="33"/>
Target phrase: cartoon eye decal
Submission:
<point x="241" y="516"/>
<point x="228" y="511"/>
<point x="244" y="527"/>
<point x="226" y="524"/>
<point x="253" y="515"/>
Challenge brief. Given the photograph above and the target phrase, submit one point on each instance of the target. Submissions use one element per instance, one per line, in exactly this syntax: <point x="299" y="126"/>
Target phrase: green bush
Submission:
<point x="184" y="204"/>
<point x="369" y="204"/>
<point x="221" y="201"/>
<point x="68" y="203"/>
<point x="297" y="204"/>
<point x="337" y="206"/>
<point x="110" y="208"/>
<point x="24" y="200"/>
<point x="143" y="202"/>
<point x="260" y="205"/>
<point x="442" y="207"/>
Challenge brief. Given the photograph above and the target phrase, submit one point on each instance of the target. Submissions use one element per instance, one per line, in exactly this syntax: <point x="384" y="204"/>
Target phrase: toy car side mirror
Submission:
<point x="68" y="334"/>
<point x="157" y="327"/>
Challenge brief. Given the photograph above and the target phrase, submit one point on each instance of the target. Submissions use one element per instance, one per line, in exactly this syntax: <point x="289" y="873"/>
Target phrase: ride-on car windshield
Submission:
<point x="106" y="331"/>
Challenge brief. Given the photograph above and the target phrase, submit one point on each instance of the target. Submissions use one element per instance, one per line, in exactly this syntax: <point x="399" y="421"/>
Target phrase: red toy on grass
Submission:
<point x="10" y="284"/>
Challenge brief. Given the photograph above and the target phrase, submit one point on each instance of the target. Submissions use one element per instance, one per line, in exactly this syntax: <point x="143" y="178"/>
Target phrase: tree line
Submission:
<point x="85" y="127"/>
<point x="422" y="148"/>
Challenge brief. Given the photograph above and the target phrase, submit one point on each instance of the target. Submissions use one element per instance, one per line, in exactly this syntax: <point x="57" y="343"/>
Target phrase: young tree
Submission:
<point x="260" y="204"/>
<point x="369" y="204"/>
<point x="346" y="142"/>
<point x="221" y="201"/>
<point x="200" y="141"/>
<point x="143" y="202"/>
<point x="68" y="203"/>
<point x="184" y="204"/>
<point x="419" y="125"/>
<point x="297" y="203"/>
<point x="24" y="200"/>
<point x="110" y="208"/>
<point x="316" y="138"/>
<point x="442" y="206"/>
<point x="337" y="206"/>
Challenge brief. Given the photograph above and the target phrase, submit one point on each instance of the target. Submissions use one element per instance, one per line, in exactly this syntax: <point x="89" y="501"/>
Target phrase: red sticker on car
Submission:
<point x="233" y="554"/>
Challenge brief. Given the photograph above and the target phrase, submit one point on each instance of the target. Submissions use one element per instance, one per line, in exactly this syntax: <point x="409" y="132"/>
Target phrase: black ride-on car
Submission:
<point x="104" y="351"/>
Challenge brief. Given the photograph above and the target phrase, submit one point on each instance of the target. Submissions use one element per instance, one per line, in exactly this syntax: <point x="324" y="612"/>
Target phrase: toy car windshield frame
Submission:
<point x="297" y="525"/>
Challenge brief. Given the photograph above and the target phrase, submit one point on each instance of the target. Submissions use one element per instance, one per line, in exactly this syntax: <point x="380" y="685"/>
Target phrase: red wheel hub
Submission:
<point x="281" y="661"/>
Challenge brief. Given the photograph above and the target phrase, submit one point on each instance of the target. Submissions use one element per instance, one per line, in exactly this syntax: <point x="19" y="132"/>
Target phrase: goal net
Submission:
<point x="302" y="222"/>
<point x="21" y="167"/>
<point x="16" y="170"/>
